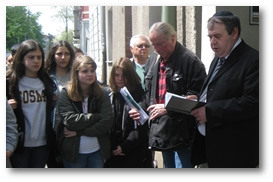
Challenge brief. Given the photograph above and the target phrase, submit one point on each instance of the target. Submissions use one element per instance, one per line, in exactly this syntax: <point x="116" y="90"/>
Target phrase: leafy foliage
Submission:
<point x="21" y="24"/>
<point x="65" y="36"/>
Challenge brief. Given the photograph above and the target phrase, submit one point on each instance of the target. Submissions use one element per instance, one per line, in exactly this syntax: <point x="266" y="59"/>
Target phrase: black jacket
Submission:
<point x="185" y="74"/>
<point x="232" y="110"/>
<point x="97" y="123"/>
<point x="50" y="88"/>
<point x="132" y="138"/>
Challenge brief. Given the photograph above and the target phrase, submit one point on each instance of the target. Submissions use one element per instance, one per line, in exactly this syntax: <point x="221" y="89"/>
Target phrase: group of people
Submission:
<point x="66" y="118"/>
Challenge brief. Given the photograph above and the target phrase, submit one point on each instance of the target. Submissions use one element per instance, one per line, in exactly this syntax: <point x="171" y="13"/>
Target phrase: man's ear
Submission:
<point x="235" y="33"/>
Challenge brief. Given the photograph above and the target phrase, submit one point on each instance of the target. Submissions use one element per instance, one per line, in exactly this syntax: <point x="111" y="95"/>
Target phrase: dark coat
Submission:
<point x="185" y="75"/>
<point x="97" y="123"/>
<point x="132" y="138"/>
<point x="232" y="110"/>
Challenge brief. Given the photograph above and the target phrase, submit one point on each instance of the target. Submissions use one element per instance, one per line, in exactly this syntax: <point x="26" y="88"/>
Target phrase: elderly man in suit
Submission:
<point x="229" y="123"/>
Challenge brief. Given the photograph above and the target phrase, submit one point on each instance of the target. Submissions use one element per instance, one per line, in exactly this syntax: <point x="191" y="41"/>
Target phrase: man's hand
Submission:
<point x="156" y="110"/>
<point x="200" y="115"/>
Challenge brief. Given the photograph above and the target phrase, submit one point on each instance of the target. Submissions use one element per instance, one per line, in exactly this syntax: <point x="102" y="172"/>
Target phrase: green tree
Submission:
<point x="65" y="36"/>
<point x="64" y="13"/>
<point x="21" y="24"/>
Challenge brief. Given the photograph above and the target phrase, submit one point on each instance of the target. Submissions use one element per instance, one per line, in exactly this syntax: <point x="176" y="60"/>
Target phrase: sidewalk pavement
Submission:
<point x="159" y="159"/>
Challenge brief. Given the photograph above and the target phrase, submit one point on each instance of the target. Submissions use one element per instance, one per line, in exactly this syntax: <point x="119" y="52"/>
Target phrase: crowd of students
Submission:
<point x="59" y="115"/>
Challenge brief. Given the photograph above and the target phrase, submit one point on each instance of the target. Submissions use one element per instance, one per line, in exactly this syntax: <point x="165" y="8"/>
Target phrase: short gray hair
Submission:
<point x="135" y="37"/>
<point x="164" y="28"/>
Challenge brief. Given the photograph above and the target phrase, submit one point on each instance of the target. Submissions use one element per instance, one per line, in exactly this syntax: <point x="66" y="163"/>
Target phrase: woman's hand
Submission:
<point x="8" y="154"/>
<point x="68" y="133"/>
<point x="118" y="151"/>
<point x="134" y="114"/>
<point x="12" y="103"/>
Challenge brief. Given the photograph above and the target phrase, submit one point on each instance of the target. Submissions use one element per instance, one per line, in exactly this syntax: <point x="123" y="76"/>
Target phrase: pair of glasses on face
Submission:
<point x="143" y="46"/>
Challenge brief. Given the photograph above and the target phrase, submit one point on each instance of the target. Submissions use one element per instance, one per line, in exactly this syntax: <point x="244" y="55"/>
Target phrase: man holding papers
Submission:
<point x="231" y="115"/>
<point x="179" y="71"/>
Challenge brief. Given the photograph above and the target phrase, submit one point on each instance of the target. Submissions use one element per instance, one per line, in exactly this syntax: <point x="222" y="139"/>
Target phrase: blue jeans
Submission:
<point x="32" y="157"/>
<point x="178" y="159"/>
<point x="92" y="160"/>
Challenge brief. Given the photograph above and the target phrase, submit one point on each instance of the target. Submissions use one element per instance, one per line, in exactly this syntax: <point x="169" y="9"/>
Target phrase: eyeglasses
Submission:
<point x="143" y="46"/>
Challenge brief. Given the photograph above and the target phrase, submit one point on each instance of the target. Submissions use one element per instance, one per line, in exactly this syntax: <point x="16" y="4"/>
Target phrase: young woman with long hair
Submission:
<point x="58" y="64"/>
<point x="86" y="118"/>
<point x="31" y="95"/>
<point x="128" y="139"/>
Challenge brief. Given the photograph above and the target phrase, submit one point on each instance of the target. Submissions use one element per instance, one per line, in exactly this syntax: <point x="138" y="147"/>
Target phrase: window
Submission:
<point x="95" y="34"/>
<point x="254" y="15"/>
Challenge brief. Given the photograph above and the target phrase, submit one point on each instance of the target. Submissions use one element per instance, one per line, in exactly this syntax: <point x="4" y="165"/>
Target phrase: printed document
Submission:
<point x="134" y="105"/>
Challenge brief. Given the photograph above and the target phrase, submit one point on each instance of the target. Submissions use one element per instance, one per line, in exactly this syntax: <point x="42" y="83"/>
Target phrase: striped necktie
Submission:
<point x="220" y="62"/>
<point x="203" y="97"/>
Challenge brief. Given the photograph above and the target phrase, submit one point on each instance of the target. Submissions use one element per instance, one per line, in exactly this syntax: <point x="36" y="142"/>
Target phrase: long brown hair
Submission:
<point x="18" y="69"/>
<point x="73" y="87"/>
<point x="132" y="80"/>
<point x="50" y="64"/>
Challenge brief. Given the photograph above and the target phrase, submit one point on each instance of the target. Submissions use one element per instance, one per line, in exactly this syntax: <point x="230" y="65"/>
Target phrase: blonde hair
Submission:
<point x="73" y="87"/>
<point x="132" y="80"/>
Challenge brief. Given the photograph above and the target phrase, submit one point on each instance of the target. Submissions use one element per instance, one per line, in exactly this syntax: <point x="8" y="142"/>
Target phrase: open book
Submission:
<point x="134" y="105"/>
<point x="180" y="104"/>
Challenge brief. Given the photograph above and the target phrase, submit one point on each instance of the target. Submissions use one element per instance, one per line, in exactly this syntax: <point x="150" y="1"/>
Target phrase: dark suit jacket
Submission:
<point x="232" y="110"/>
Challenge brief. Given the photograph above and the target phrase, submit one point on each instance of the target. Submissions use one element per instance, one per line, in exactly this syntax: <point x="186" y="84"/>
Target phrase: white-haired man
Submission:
<point x="140" y="48"/>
